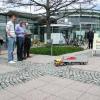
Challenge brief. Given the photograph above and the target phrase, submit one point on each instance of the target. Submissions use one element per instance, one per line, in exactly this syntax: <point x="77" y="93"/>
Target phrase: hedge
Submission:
<point x="57" y="50"/>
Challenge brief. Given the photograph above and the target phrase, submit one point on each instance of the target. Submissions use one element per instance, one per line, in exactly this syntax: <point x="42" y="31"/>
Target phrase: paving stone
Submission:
<point x="69" y="94"/>
<point x="95" y="90"/>
<point x="35" y="95"/>
<point x="26" y="71"/>
<point x="89" y="97"/>
<point x="4" y="95"/>
<point x="53" y="98"/>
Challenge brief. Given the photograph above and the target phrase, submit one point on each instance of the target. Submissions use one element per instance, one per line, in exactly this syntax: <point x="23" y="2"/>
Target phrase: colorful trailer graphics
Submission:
<point x="77" y="59"/>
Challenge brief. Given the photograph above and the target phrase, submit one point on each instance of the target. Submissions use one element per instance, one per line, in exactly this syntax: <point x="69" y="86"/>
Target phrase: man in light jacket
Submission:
<point x="11" y="37"/>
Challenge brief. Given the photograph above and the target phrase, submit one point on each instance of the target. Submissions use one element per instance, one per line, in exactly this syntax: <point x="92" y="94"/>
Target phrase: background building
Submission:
<point x="82" y="20"/>
<point x="32" y="19"/>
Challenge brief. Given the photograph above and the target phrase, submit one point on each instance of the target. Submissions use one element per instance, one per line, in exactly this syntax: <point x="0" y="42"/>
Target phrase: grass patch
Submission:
<point x="57" y="50"/>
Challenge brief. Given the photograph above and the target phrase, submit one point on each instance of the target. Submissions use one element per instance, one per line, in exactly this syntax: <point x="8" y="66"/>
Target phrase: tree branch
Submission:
<point x="39" y="4"/>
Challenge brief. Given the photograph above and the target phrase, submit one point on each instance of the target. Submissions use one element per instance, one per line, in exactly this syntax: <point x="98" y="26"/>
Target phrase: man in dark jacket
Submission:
<point x="90" y="37"/>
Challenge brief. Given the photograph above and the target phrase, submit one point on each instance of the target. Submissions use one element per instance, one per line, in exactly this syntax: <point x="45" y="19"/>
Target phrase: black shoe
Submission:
<point x="24" y="58"/>
<point x="29" y="56"/>
<point x="20" y="60"/>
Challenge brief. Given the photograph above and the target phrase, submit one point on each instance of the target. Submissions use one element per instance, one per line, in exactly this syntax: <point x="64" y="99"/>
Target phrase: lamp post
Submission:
<point x="80" y="20"/>
<point x="51" y="47"/>
<point x="50" y="42"/>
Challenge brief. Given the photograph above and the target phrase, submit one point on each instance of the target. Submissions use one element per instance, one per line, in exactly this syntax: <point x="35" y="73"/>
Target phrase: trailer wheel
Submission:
<point x="85" y="63"/>
<point x="65" y="63"/>
<point x="56" y="64"/>
<point x="80" y="63"/>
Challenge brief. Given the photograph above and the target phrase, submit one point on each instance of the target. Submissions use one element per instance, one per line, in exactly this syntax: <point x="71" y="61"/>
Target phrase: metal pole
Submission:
<point x="51" y="47"/>
<point x="39" y="32"/>
<point x="80" y="19"/>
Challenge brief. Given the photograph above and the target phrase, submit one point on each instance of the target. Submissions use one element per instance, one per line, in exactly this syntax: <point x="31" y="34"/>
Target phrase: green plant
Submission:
<point x="57" y="50"/>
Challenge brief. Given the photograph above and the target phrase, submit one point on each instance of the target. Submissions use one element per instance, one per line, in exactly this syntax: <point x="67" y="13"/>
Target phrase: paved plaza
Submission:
<point x="38" y="79"/>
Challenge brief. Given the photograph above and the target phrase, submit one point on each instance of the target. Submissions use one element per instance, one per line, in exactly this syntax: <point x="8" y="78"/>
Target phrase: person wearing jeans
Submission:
<point x="20" y="48"/>
<point x="11" y="44"/>
<point x="20" y="33"/>
<point x="11" y="37"/>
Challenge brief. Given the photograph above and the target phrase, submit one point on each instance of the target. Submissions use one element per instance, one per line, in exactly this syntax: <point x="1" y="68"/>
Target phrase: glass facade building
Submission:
<point x="2" y="26"/>
<point x="83" y="20"/>
<point x="30" y="18"/>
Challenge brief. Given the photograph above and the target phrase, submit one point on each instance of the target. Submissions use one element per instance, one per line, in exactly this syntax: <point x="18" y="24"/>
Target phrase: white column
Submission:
<point x="45" y="38"/>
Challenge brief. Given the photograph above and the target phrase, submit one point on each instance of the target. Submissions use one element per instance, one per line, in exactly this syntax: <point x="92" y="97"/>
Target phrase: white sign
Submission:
<point x="57" y="38"/>
<point x="96" y="42"/>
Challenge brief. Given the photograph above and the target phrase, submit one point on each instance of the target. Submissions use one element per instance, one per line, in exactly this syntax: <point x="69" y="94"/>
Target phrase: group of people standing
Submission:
<point x="18" y="35"/>
<point x="21" y="35"/>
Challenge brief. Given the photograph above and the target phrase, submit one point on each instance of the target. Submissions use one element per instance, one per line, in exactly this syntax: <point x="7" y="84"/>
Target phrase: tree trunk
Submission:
<point x="48" y="30"/>
<point x="48" y="21"/>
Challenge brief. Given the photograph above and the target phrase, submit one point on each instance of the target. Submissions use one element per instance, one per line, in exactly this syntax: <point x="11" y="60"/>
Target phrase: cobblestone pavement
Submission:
<point x="27" y="71"/>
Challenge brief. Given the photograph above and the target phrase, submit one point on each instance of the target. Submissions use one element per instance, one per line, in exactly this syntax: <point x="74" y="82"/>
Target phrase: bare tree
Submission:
<point x="52" y="7"/>
<point x="13" y="1"/>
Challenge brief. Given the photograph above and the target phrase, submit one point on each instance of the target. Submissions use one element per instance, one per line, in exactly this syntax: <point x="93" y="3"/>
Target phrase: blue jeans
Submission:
<point x="11" y="45"/>
<point x="20" y="48"/>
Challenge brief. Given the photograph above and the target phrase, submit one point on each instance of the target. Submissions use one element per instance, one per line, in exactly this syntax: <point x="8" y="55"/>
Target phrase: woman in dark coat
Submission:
<point x="27" y="42"/>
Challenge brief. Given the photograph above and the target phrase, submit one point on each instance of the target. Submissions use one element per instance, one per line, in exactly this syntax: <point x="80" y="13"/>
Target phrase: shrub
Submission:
<point x="57" y="50"/>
